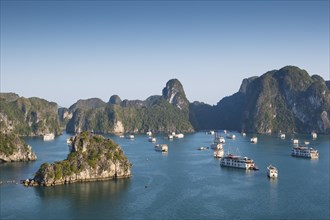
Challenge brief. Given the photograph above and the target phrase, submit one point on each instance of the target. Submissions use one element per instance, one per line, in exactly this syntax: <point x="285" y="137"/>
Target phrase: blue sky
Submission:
<point x="63" y="51"/>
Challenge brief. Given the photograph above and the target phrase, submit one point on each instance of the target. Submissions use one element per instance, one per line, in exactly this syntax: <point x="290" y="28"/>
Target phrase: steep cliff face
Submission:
<point x="29" y="116"/>
<point x="157" y="113"/>
<point x="175" y="95"/>
<point x="13" y="149"/>
<point x="287" y="100"/>
<point x="92" y="158"/>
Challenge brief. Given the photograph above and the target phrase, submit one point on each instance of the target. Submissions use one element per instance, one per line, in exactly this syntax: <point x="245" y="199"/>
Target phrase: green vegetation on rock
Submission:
<point x="29" y="116"/>
<point x="13" y="148"/>
<point x="92" y="157"/>
<point x="286" y="100"/>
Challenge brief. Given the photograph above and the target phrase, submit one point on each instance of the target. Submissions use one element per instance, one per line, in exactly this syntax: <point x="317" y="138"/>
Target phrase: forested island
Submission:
<point x="288" y="100"/>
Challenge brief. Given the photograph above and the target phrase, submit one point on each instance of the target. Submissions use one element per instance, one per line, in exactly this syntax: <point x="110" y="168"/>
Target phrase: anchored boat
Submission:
<point x="272" y="171"/>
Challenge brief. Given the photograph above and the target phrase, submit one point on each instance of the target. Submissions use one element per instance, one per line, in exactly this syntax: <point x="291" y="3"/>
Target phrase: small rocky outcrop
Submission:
<point x="92" y="158"/>
<point x="13" y="149"/>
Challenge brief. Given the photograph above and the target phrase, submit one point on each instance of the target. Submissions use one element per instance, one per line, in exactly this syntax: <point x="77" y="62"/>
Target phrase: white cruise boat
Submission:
<point x="254" y="140"/>
<point x="216" y="146"/>
<point x="295" y="141"/>
<point x="231" y="136"/>
<point x="179" y="135"/>
<point x="305" y="152"/>
<point x="211" y="132"/>
<point x="231" y="160"/>
<point x="281" y="135"/>
<point x="243" y="134"/>
<point x="272" y="171"/>
<point x="219" y="139"/>
<point x="219" y="153"/>
<point x="149" y="133"/>
<point x="314" y="135"/>
<point x="218" y="150"/>
<point x="170" y="137"/>
<point x="152" y="139"/>
<point x="130" y="136"/>
<point x="161" y="147"/>
<point x="49" y="137"/>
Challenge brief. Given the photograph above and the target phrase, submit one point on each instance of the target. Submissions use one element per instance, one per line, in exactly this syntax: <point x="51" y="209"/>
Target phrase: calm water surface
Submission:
<point x="184" y="183"/>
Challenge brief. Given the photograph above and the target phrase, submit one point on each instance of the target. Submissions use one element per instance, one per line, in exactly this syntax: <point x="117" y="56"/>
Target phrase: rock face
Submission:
<point x="92" y="158"/>
<point x="174" y="94"/>
<point x="12" y="148"/>
<point x="287" y="100"/>
<point x="28" y="116"/>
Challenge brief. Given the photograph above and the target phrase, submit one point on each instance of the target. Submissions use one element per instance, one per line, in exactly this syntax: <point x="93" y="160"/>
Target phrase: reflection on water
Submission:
<point x="92" y="191"/>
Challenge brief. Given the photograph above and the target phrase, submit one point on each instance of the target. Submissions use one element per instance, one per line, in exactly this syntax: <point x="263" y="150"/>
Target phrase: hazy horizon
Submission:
<point x="65" y="51"/>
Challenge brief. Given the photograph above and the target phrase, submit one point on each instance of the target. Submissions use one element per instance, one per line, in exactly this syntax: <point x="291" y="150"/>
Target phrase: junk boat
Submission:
<point x="130" y="136"/>
<point x="295" y="141"/>
<point x="49" y="137"/>
<point x="218" y="139"/>
<point x="218" y="150"/>
<point x="161" y="147"/>
<point x="218" y="153"/>
<point x="305" y="152"/>
<point x="254" y="140"/>
<point x="272" y="171"/>
<point x="152" y="139"/>
<point x="231" y="136"/>
<point x="314" y="135"/>
<point x="231" y="160"/>
<point x="203" y="148"/>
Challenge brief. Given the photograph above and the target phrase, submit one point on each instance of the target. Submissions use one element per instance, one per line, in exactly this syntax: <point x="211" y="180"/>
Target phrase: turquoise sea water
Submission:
<point x="183" y="184"/>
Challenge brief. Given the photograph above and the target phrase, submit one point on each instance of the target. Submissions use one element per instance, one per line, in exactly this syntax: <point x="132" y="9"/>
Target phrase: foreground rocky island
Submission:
<point x="12" y="149"/>
<point x="92" y="158"/>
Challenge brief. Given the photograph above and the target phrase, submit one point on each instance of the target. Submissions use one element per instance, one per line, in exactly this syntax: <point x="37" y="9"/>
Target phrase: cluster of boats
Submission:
<point x="242" y="162"/>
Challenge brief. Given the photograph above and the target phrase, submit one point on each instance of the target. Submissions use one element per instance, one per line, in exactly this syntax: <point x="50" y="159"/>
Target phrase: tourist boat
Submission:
<point x="179" y="135"/>
<point x="170" y="137"/>
<point x="218" y="153"/>
<point x="254" y="140"/>
<point x="203" y="148"/>
<point x="216" y="146"/>
<point x="231" y="136"/>
<point x="272" y="171"/>
<point x="314" y="135"/>
<point x="243" y="134"/>
<point x="219" y="139"/>
<point x="152" y="139"/>
<point x="231" y="160"/>
<point x="305" y="152"/>
<point x="211" y="132"/>
<point x="306" y="142"/>
<point x="295" y="141"/>
<point x="130" y="136"/>
<point x="49" y="137"/>
<point x="149" y="133"/>
<point x="161" y="147"/>
<point x="281" y="135"/>
<point x="121" y="136"/>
